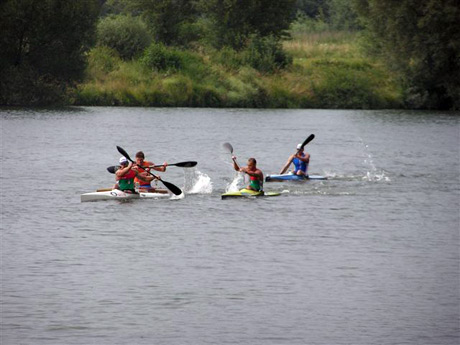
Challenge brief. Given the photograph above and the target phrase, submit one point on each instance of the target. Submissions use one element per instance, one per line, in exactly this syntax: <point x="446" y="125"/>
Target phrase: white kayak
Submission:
<point x="119" y="195"/>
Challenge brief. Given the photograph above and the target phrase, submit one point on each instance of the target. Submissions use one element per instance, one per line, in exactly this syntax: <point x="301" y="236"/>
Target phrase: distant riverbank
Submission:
<point x="328" y="70"/>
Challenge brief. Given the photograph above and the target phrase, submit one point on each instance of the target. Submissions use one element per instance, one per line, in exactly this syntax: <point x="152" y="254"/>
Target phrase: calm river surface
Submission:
<point x="370" y="256"/>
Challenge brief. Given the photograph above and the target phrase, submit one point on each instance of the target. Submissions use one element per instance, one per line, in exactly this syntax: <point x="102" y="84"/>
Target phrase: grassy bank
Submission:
<point x="328" y="71"/>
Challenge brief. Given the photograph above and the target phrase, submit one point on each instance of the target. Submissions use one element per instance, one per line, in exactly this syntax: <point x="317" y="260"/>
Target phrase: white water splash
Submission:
<point x="375" y="177"/>
<point x="197" y="182"/>
<point x="330" y="174"/>
<point x="374" y="174"/>
<point x="234" y="186"/>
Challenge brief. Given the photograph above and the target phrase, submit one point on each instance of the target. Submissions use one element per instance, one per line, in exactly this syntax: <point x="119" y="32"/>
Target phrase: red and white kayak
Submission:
<point x="116" y="194"/>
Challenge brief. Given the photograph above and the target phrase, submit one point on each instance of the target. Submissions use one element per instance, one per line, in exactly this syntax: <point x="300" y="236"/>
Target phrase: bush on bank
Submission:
<point x="326" y="70"/>
<point x="127" y="35"/>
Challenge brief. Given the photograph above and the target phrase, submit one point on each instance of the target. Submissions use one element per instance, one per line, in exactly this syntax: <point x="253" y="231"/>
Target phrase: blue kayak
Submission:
<point x="292" y="177"/>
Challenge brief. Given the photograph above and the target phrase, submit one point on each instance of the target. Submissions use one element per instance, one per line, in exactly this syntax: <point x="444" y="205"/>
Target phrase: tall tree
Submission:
<point x="167" y="19"/>
<point x="318" y="9"/>
<point x="233" y="21"/>
<point x="421" y="39"/>
<point x="342" y="15"/>
<point x="42" y="46"/>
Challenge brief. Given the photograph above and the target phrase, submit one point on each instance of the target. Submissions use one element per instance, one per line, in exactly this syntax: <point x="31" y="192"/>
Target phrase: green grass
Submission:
<point x="329" y="70"/>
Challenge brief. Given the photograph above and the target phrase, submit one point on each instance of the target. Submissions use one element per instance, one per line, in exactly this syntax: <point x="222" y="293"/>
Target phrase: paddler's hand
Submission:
<point x="233" y="158"/>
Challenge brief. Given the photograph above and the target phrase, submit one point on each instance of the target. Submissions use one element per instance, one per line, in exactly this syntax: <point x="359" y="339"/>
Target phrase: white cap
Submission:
<point x="299" y="146"/>
<point x="123" y="160"/>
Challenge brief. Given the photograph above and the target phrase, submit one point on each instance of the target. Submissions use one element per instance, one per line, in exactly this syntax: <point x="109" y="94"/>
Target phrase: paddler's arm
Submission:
<point x="235" y="164"/>
<point x="144" y="177"/>
<point x="160" y="168"/>
<point x="143" y="172"/>
<point x="121" y="172"/>
<point x="288" y="163"/>
<point x="305" y="159"/>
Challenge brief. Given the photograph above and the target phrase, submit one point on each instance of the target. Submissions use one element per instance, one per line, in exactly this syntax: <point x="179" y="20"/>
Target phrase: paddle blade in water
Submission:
<point x="173" y="188"/>
<point x="228" y="147"/>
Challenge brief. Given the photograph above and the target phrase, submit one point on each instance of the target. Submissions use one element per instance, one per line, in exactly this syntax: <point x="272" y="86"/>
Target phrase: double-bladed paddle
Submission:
<point x="189" y="164"/>
<point x="174" y="189"/>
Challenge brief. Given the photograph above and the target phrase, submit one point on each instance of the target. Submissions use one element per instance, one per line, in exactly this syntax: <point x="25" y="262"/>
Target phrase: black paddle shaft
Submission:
<point x="188" y="164"/>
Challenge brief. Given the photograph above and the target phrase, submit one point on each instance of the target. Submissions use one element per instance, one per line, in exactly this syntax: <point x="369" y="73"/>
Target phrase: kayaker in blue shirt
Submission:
<point x="301" y="160"/>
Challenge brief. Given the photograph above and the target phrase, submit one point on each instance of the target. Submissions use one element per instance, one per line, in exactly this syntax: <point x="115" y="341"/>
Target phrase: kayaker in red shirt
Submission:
<point x="255" y="175"/>
<point x="125" y="176"/>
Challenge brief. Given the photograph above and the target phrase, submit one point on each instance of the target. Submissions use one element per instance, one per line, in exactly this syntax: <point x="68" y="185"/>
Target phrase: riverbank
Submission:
<point x="328" y="70"/>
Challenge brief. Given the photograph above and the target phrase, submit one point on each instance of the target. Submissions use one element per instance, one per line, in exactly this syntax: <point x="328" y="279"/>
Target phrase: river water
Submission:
<point x="370" y="256"/>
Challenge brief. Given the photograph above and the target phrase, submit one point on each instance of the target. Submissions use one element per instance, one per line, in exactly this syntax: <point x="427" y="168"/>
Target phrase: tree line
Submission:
<point x="44" y="43"/>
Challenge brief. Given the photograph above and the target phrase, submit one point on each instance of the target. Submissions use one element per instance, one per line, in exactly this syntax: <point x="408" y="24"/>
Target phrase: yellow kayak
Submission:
<point x="245" y="193"/>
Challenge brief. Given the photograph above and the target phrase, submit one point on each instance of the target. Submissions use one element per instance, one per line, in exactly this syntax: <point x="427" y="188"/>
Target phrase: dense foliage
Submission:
<point x="128" y="35"/>
<point x="42" y="47"/>
<point x="421" y="40"/>
<point x="231" y="22"/>
<point x="231" y="52"/>
<point x="159" y="58"/>
<point x="169" y="20"/>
